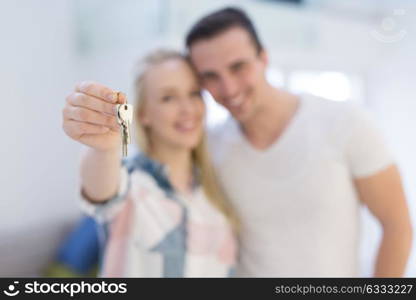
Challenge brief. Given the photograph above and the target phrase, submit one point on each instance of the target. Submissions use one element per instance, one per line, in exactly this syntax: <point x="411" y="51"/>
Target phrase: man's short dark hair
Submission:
<point x="219" y="21"/>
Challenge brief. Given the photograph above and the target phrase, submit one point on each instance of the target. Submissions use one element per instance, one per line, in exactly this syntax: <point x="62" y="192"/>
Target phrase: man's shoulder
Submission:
<point x="332" y="121"/>
<point x="324" y="106"/>
<point x="329" y="112"/>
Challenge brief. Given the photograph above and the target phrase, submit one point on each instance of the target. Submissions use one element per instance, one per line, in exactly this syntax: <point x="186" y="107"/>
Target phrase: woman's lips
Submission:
<point x="186" y="126"/>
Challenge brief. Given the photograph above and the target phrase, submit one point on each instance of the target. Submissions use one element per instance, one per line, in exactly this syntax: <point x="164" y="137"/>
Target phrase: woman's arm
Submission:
<point x="89" y="117"/>
<point x="100" y="174"/>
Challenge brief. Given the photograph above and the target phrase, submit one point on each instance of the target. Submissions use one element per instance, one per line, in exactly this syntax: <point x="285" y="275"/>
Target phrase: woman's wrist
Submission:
<point x="112" y="153"/>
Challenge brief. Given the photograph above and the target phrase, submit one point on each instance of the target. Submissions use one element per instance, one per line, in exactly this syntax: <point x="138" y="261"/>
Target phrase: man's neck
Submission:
<point x="271" y="119"/>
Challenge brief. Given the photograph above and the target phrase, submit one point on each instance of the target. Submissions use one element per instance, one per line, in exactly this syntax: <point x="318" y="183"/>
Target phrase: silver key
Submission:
<point x="125" y="114"/>
<point x="125" y="118"/>
<point x="124" y="136"/>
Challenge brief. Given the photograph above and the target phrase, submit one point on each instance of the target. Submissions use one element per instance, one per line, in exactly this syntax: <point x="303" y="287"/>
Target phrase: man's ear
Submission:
<point x="264" y="57"/>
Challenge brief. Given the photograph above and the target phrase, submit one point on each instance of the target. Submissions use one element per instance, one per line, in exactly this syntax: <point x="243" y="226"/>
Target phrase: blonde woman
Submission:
<point x="167" y="215"/>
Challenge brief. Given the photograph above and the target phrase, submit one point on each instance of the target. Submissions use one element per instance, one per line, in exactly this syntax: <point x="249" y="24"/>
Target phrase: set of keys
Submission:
<point x="125" y="119"/>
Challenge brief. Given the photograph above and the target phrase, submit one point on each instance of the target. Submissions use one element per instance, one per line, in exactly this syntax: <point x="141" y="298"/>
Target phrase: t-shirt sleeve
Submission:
<point x="105" y="211"/>
<point x="366" y="151"/>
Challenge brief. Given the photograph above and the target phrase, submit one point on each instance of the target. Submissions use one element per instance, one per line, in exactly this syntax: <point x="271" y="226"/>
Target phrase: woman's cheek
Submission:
<point x="170" y="118"/>
<point x="202" y="109"/>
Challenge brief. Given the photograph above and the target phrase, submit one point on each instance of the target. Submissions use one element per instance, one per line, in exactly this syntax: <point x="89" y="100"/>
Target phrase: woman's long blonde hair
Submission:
<point x="200" y="156"/>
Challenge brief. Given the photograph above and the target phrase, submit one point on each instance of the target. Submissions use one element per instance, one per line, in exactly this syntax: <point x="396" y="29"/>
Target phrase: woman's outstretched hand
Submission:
<point x="89" y="116"/>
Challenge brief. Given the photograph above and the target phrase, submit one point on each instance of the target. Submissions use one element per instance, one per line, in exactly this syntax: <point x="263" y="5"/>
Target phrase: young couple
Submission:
<point x="276" y="194"/>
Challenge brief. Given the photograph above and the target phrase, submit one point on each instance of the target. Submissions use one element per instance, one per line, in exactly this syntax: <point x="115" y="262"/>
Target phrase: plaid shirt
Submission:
<point x="154" y="231"/>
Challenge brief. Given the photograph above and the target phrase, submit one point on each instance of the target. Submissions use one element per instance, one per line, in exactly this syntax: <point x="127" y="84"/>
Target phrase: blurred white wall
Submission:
<point x="47" y="48"/>
<point x="38" y="163"/>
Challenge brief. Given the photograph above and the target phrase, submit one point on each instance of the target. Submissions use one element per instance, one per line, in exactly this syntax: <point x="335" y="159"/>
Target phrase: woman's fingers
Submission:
<point x="76" y="129"/>
<point x="82" y="114"/>
<point x="95" y="89"/>
<point x="89" y="115"/>
<point x="92" y="103"/>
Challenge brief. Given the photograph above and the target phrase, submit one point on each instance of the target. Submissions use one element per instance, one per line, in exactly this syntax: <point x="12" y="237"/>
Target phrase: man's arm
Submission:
<point x="384" y="196"/>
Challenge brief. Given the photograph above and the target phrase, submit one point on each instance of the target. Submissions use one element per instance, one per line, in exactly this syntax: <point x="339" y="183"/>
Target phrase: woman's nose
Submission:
<point x="187" y="106"/>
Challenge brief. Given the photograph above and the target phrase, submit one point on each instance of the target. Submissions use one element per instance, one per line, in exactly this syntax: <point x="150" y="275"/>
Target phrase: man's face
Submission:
<point x="231" y="70"/>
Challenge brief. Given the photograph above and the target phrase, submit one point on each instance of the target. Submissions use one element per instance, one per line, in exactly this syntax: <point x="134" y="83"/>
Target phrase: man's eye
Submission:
<point x="209" y="77"/>
<point x="196" y="94"/>
<point x="238" y="67"/>
<point x="167" y="98"/>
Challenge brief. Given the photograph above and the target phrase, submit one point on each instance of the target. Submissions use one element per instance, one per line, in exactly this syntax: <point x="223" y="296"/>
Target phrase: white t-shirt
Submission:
<point x="297" y="201"/>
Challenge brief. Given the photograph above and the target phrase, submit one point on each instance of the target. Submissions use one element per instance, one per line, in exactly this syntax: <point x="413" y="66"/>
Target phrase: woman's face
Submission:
<point x="173" y="110"/>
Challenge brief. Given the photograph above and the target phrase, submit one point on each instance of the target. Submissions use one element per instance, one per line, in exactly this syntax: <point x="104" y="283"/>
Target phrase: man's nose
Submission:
<point x="229" y="87"/>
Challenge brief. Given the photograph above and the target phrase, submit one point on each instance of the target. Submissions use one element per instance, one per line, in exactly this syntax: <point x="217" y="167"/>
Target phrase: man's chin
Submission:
<point x="241" y="114"/>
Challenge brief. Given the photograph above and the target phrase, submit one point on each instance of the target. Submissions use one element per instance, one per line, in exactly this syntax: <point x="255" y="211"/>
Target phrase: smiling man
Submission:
<point x="297" y="168"/>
